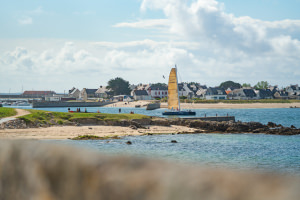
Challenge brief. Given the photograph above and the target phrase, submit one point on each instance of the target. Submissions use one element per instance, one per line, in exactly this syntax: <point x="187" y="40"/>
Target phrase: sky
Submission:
<point x="56" y="45"/>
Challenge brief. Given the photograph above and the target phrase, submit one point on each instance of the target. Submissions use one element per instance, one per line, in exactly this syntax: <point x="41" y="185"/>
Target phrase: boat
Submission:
<point x="173" y="96"/>
<point x="24" y="104"/>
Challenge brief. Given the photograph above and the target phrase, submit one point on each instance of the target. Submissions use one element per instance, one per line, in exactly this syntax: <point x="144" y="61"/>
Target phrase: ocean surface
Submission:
<point x="280" y="154"/>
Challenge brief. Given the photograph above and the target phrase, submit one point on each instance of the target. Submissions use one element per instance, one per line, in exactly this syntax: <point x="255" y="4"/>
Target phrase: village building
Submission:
<point x="37" y="94"/>
<point x="264" y="94"/>
<point x="281" y="95"/>
<point x="87" y="93"/>
<point x="293" y="91"/>
<point x="102" y="92"/>
<point x="158" y="91"/>
<point x="214" y="93"/>
<point x="74" y="92"/>
<point x="141" y="95"/>
<point x="59" y="97"/>
<point x="183" y="90"/>
<point x="125" y="98"/>
<point x="242" y="94"/>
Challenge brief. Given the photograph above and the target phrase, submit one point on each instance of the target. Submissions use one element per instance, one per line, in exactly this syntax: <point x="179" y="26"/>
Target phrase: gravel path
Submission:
<point x="20" y="112"/>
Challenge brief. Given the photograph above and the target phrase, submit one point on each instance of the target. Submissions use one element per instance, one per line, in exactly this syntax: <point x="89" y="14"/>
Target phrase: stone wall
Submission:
<point x="153" y="106"/>
<point x="46" y="104"/>
<point x="33" y="170"/>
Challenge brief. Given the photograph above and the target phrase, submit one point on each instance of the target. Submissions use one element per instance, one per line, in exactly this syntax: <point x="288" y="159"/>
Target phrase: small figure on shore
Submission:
<point x="119" y="110"/>
<point x="131" y="112"/>
<point x="69" y="109"/>
<point x="85" y="110"/>
<point x="79" y="110"/>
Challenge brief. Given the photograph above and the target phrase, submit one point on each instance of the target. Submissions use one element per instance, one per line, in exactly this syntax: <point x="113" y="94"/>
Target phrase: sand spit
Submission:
<point x="65" y="132"/>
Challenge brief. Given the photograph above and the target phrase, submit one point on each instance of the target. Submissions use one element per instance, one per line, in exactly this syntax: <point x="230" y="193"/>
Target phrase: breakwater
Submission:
<point x="216" y="119"/>
<point x="153" y="106"/>
<point x="46" y="104"/>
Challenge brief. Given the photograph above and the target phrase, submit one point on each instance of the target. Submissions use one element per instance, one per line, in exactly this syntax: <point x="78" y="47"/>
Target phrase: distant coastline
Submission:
<point x="212" y="105"/>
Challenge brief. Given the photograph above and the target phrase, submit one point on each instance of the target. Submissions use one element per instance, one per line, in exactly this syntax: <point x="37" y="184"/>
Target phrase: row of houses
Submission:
<point x="159" y="91"/>
<point x="194" y="90"/>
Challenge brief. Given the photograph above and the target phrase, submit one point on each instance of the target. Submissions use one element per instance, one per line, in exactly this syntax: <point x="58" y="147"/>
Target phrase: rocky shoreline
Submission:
<point x="198" y="125"/>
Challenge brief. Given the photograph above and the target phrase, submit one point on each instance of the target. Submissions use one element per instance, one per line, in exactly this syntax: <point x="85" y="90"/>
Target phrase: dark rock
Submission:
<point x="133" y="127"/>
<point x="271" y="124"/>
<point x="292" y="126"/>
<point x="173" y="141"/>
<point x="160" y="122"/>
<point x="129" y="142"/>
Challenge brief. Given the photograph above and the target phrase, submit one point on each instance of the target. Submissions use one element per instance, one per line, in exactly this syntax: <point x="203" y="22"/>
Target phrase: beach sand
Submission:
<point x="65" y="132"/>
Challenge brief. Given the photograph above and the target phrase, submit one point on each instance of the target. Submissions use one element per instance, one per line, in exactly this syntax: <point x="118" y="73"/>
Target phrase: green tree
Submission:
<point x="261" y="85"/>
<point x="118" y="86"/>
<point x="228" y="84"/>
<point x="246" y="85"/>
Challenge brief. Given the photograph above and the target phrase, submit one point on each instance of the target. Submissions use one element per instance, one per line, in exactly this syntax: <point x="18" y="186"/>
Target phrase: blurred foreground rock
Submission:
<point x="34" y="170"/>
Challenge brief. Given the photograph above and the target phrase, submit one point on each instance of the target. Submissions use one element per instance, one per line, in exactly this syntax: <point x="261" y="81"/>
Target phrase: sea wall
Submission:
<point x="46" y="104"/>
<point x="216" y="119"/>
<point x="153" y="106"/>
<point x="38" y="170"/>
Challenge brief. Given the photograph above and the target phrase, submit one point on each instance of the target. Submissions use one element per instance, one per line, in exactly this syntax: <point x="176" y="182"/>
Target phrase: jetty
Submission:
<point x="216" y="119"/>
<point x="47" y="104"/>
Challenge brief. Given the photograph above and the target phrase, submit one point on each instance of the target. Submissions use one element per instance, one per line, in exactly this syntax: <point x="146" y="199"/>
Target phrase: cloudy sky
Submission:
<point x="58" y="44"/>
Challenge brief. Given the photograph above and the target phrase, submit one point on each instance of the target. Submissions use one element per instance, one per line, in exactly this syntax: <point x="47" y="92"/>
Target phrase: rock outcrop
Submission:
<point x="202" y="126"/>
<point x="36" y="170"/>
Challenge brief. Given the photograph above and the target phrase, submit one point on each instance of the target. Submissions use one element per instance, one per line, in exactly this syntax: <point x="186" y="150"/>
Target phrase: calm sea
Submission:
<point x="284" y="116"/>
<point x="237" y="151"/>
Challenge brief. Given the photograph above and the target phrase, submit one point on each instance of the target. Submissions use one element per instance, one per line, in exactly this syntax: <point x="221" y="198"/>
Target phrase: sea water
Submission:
<point x="239" y="151"/>
<point x="284" y="116"/>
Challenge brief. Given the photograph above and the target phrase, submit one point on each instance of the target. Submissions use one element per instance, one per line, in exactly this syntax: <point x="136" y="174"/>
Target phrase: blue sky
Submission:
<point x="60" y="44"/>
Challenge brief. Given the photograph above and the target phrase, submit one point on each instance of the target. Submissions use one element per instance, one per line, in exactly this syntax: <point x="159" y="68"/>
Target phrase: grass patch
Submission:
<point x="47" y="117"/>
<point x="94" y="137"/>
<point x="7" y="112"/>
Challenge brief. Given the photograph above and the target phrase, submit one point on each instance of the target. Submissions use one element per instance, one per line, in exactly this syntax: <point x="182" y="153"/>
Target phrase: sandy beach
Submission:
<point x="210" y="106"/>
<point x="65" y="132"/>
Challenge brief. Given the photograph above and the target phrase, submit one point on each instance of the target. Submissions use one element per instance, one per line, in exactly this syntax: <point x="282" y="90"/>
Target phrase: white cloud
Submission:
<point x="207" y="44"/>
<point x="150" y="23"/>
<point x="25" y="20"/>
<point x="229" y="46"/>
